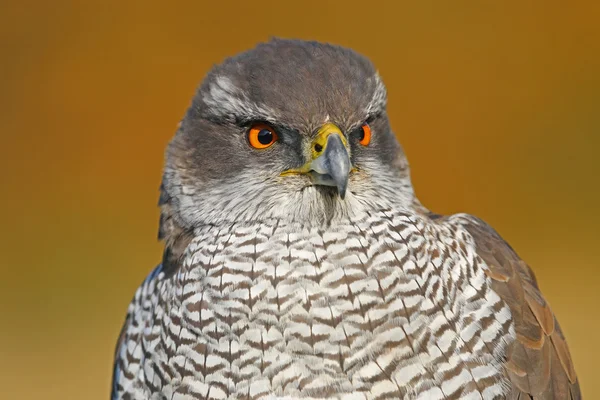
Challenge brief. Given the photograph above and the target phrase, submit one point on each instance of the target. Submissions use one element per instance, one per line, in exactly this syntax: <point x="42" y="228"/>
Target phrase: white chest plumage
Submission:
<point x="393" y="306"/>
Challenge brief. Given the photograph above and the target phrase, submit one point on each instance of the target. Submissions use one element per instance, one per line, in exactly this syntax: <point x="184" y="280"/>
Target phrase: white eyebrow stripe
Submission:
<point x="379" y="99"/>
<point x="225" y="100"/>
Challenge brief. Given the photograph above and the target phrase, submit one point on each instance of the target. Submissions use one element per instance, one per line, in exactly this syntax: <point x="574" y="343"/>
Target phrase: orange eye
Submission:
<point x="365" y="136"/>
<point x="261" y="136"/>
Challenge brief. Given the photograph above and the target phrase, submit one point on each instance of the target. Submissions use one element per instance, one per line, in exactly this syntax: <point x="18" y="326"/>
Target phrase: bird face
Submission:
<point x="291" y="130"/>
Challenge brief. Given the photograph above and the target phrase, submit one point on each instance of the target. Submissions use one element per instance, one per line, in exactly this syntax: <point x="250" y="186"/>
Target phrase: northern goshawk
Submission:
<point x="298" y="263"/>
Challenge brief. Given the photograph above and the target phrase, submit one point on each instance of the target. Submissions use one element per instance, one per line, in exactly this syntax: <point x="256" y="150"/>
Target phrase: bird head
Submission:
<point x="289" y="130"/>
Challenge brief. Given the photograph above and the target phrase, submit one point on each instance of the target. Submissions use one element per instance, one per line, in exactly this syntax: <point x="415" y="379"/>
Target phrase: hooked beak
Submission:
<point x="330" y="165"/>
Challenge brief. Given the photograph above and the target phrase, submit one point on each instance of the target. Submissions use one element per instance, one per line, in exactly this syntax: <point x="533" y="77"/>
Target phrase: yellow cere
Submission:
<point x="322" y="136"/>
<point x="321" y="139"/>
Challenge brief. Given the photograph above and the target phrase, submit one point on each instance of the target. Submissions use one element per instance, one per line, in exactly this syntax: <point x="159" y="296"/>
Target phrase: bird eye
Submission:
<point x="365" y="135"/>
<point x="261" y="136"/>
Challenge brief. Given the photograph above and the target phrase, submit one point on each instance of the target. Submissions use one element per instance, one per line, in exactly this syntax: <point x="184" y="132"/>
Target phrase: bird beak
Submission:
<point x="330" y="164"/>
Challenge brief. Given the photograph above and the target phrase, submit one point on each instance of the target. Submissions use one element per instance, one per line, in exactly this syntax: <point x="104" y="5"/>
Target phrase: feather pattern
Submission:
<point x="394" y="305"/>
<point x="538" y="364"/>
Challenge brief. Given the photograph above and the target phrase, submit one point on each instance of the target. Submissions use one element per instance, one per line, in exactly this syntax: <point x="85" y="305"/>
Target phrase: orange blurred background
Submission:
<point x="496" y="103"/>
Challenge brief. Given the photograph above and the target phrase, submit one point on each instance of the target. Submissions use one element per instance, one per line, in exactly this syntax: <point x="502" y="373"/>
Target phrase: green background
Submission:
<point x="497" y="104"/>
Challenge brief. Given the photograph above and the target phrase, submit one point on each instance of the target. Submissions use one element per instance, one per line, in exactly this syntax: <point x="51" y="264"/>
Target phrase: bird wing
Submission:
<point x="538" y="363"/>
<point x="118" y="362"/>
<point x="126" y="364"/>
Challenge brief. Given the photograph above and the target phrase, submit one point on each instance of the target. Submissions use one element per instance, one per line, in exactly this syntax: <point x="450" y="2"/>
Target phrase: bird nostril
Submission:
<point x="318" y="148"/>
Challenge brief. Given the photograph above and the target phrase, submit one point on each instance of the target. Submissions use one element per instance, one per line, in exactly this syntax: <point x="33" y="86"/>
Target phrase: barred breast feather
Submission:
<point x="395" y="306"/>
